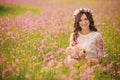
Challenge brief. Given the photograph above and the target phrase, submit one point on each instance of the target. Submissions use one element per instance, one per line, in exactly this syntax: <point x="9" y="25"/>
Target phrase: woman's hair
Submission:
<point x="77" y="26"/>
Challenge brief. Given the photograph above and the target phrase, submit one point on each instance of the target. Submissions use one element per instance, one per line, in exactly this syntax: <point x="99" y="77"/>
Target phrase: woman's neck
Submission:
<point x="85" y="31"/>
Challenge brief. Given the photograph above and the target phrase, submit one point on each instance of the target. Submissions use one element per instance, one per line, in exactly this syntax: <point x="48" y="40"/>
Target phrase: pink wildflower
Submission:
<point x="27" y="76"/>
<point x="109" y="66"/>
<point x="118" y="71"/>
<point x="10" y="68"/>
<point x="103" y="69"/>
<point x="34" y="57"/>
<point x="1" y="59"/>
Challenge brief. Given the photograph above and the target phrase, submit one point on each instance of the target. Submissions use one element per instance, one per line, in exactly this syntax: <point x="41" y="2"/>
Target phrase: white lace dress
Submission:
<point x="91" y="44"/>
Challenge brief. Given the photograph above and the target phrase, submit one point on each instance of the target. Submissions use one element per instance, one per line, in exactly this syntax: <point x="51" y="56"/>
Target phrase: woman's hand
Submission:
<point x="81" y="53"/>
<point x="76" y="52"/>
<point x="73" y="51"/>
<point x="74" y="43"/>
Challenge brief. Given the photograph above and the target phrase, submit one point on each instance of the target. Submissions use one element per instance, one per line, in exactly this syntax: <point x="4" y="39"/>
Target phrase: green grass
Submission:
<point x="29" y="44"/>
<point x="17" y="10"/>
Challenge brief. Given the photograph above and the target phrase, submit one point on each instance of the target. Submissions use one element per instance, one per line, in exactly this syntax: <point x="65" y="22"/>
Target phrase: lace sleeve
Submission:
<point x="100" y="46"/>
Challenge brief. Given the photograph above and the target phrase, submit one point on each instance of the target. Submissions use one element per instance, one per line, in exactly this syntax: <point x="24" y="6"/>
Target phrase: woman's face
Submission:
<point x="84" y="22"/>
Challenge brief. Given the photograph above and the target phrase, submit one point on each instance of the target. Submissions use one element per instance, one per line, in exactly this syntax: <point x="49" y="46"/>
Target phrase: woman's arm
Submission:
<point x="100" y="46"/>
<point x="72" y="42"/>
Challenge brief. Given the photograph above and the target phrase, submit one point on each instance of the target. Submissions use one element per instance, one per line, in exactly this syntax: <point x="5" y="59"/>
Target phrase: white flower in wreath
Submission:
<point x="76" y="12"/>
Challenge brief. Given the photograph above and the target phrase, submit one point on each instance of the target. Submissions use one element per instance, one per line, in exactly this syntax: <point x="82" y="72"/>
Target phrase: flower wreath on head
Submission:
<point x="82" y="10"/>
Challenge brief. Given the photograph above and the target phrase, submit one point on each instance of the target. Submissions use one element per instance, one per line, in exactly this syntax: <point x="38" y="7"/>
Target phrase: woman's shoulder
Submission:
<point x="96" y="33"/>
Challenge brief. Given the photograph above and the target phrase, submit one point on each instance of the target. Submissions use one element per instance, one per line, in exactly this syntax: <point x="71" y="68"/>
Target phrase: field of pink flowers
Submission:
<point x="32" y="46"/>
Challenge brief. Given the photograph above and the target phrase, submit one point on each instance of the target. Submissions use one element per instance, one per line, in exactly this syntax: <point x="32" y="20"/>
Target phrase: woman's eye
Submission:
<point x="86" y="19"/>
<point x="80" y="20"/>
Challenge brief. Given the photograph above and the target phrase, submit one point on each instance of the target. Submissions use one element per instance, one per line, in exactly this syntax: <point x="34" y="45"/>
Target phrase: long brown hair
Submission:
<point x="77" y="26"/>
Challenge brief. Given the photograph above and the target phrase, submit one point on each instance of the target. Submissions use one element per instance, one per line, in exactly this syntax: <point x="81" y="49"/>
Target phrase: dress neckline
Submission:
<point x="85" y="34"/>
